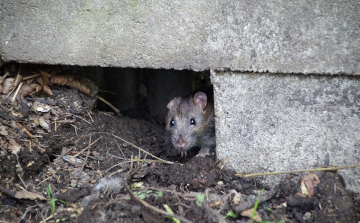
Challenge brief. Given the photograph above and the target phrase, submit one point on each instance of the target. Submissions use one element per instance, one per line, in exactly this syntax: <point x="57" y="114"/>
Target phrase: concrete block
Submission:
<point x="303" y="36"/>
<point x="282" y="122"/>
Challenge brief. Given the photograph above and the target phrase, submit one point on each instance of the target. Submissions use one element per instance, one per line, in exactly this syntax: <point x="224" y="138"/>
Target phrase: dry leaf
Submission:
<point x="40" y="80"/>
<point x="28" y="195"/>
<point x="3" y="77"/>
<point x="38" y="88"/>
<point x="78" y="82"/>
<point x="44" y="124"/>
<point x="17" y="80"/>
<point x="248" y="213"/>
<point x="8" y="85"/>
<point x="308" y="184"/>
<point x="3" y="131"/>
<point x="47" y="90"/>
<point x="27" y="89"/>
<point x="14" y="146"/>
<point x="45" y="77"/>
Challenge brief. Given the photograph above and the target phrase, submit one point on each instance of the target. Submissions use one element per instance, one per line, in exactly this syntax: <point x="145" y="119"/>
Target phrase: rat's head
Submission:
<point x="184" y="120"/>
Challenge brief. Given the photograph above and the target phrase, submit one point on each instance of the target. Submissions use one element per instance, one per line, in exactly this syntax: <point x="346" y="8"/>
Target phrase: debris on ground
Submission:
<point x="60" y="155"/>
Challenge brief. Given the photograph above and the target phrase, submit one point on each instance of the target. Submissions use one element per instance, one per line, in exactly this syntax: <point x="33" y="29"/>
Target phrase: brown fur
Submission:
<point x="202" y="134"/>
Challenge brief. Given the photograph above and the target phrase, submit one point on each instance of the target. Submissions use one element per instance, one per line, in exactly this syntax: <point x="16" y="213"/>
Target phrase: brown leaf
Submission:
<point x="45" y="77"/>
<point x="38" y="88"/>
<point x="308" y="184"/>
<point x="8" y="85"/>
<point x="27" y="89"/>
<point x="17" y="80"/>
<point x="248" y="214"/>
<point x="14" y="146"/>
<point x="28" y="195"/>
<point x="40" y="80"/>
<point x="47" y="90"/>
<point x="3" y="77"/>
<point x="78" y="82"/>
<point x="44" y="124"/>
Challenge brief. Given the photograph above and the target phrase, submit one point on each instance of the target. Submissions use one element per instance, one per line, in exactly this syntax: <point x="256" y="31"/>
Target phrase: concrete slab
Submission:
<point x="275" y="122"/>
<point x="263" y="36"/>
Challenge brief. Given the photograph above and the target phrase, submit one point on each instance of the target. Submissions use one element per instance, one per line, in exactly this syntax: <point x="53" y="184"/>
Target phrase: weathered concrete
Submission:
<point x="277" y="36"/>
<point x="273" y="122"/>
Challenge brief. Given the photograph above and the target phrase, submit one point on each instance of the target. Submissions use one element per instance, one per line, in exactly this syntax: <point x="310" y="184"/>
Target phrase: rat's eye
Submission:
<point x="172" y="122"/>
<point x="192" y="121"/>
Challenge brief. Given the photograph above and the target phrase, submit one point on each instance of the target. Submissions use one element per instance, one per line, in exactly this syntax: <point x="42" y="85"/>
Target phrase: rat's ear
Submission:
<point x="172" y="103"/>
<point x="200" y="99"/>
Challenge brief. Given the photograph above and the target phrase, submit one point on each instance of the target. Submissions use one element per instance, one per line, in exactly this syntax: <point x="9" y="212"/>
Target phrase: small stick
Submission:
<point x="108" y="103"/>
<point x="22" y="180"/>
<point x="137" y="160"/>
<point x="17" y="92"/>
<point x="144" y="151"/>
<point x="76" y="116"/>
<point x="44" y="180"/>
<point x="26" y="131"/>
<point x="297" y="171"/>
<point x="61" y="156"/>
<point x="7" y="192"/>
<point x="83" y="165"/>
<point x="120" y="148"/>
<point x="92" y="120"/>
<point x="31" y="76"/>
<point x="147" y="205"/>
<point x="88" y="147"/>
<point x="3" y="149"/>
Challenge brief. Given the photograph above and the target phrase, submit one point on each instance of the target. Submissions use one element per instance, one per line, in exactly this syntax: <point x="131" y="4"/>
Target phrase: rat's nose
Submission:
<point x="181" y="143"/>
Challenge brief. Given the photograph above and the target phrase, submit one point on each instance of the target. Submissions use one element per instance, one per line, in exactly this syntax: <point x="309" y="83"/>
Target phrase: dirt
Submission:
<point x="112" y="168"/>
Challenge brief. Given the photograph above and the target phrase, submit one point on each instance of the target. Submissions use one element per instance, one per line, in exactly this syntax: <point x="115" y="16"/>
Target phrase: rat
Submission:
<point x="191" y="123"/>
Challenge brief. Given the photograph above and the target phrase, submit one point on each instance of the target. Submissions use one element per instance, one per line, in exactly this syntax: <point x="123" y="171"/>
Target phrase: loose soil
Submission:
<point x="111" y="168"/>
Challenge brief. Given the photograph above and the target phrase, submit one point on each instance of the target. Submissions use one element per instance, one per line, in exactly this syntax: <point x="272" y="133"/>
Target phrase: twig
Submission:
<point x="83" y="165"/>
<point x="87" y="147"/>
<point x="137" y="160"/>
<point x="7" y="192"/>
<point x="76" y="116"/>
<point x="86" y="158"/>
<point x="3" y="149"/>
<point x="22" y="180"/>
<point x="61" y="156"/>
<point x="108" y="103"/>
<point x="15" y="80"/>
<point x="48" y="218"/>
<point x="17" y="92"/>
<point x="214" y="215"/>
<point x="249" y="204"/>
<point x="31" y="76"/>
<point x="44" y="180"/>
<point x="297" y="171"/>
<point x="26" y="131"/>
<point x="119" y="148"/>
<point x="144" y="151"/>
<point x="118" y="171"/>
<point x="92" y="120"/>
<point x="147" y="205"/>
